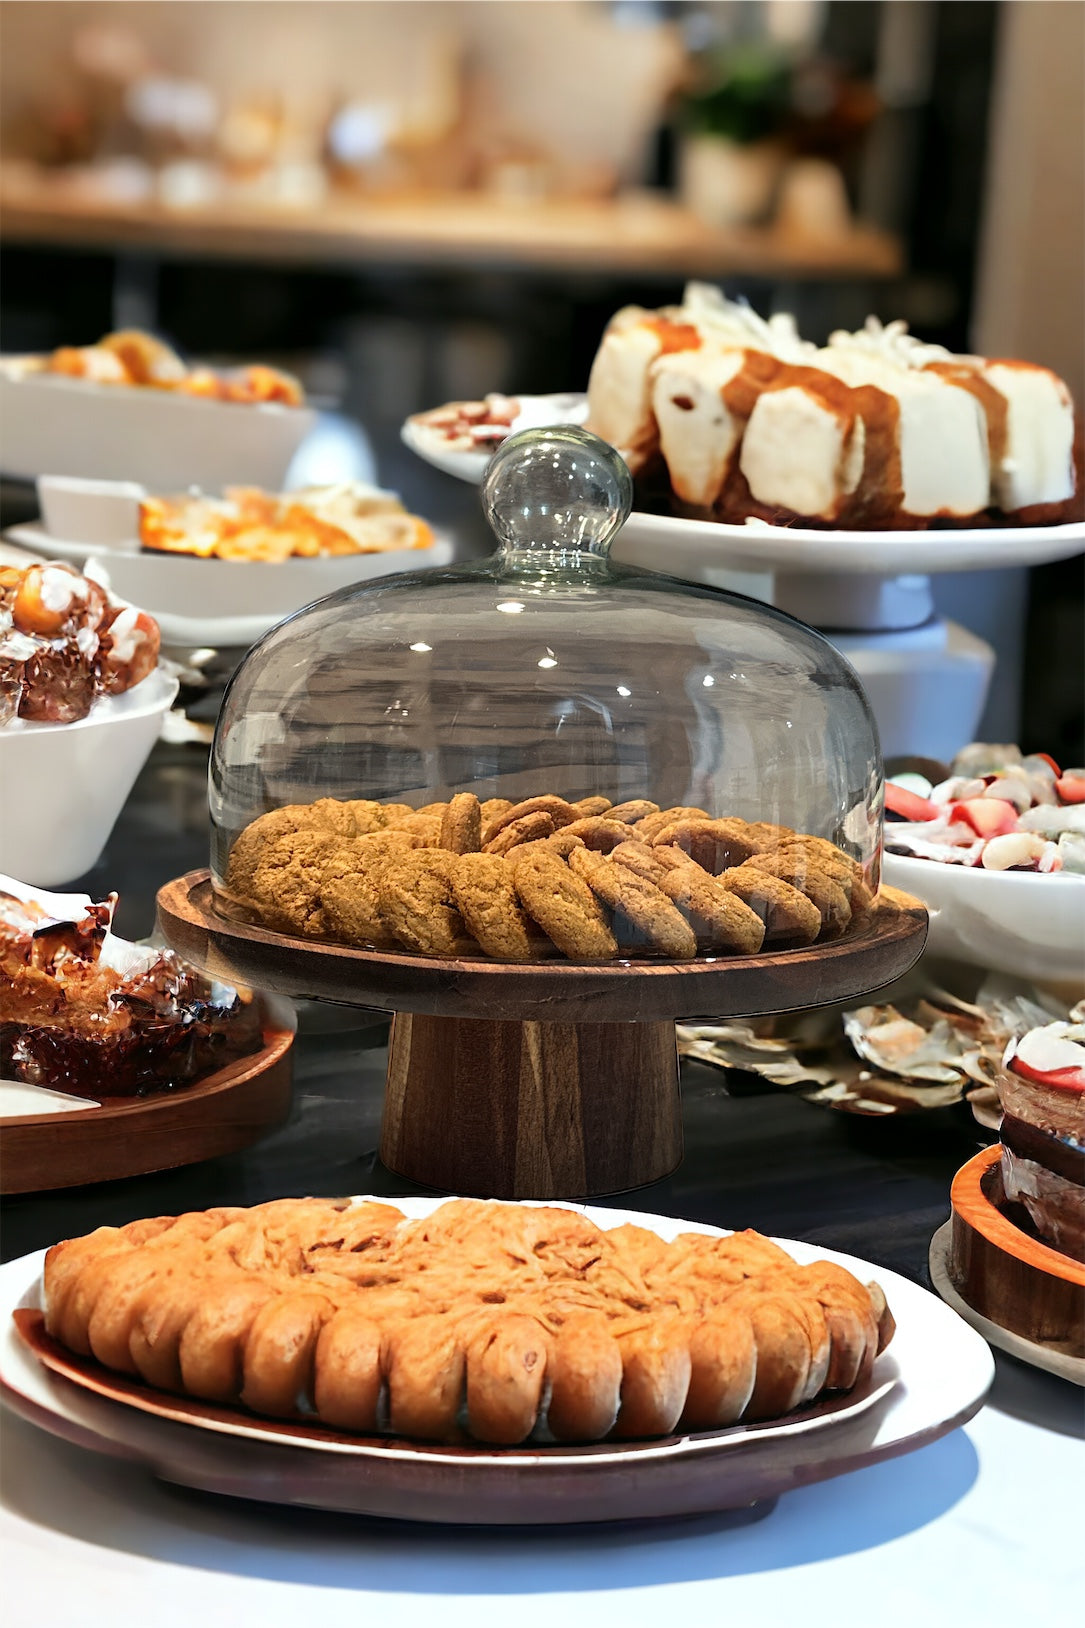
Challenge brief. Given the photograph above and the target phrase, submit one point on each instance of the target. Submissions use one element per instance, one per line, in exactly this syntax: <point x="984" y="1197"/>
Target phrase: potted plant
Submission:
<point x="732" y="117"/>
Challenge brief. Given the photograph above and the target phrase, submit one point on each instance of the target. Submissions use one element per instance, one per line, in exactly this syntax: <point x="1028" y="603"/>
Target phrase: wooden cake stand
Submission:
<point x="544" y="1079"/>
<point x="1022" y="1295"/>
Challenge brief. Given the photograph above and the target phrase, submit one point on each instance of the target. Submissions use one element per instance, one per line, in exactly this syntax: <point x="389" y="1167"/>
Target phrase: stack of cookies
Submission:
<point x="588" y="880"/>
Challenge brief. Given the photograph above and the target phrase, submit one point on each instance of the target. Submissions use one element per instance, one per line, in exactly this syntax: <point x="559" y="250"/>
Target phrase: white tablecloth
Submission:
<point x="983" y="1527"/>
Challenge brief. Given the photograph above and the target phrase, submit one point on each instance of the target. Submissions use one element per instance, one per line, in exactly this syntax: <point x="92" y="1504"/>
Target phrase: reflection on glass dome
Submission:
<point x="543" y="672"/>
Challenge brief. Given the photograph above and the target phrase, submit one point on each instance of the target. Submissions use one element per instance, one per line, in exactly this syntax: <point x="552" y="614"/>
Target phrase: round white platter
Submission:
<point x="932" y="1378"/>
<point x="223" y="602"/>
<point x="687" y="548"/>
<point x="1020" y="922"/>
<point x="1015" y="1345"/>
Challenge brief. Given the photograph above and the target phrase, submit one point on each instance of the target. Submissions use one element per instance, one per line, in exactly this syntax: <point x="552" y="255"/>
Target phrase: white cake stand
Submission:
<point x="869" y="592"/>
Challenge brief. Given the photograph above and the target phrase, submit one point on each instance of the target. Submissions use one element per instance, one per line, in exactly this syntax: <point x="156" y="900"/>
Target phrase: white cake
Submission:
<point x="873" y="430"/>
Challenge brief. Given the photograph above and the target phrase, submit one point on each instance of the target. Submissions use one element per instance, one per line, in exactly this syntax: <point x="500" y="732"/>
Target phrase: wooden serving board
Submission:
<point x="129" y="1136"/>
<point x="1004" y="1274"/>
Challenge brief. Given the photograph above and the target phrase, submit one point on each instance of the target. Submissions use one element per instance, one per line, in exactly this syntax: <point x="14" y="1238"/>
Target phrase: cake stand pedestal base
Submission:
<point x="531" y="1110"/>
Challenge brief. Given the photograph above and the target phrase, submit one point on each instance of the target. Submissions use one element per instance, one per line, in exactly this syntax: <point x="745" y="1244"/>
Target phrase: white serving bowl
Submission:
<point x="1018" y="922"/>
<point x="161" y="439"/>
<point x="96" y="513"/>
<point x="62" y="786"/>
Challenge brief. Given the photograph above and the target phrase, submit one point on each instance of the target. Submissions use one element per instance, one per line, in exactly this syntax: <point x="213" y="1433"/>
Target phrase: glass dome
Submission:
<point x="542" y="672"/>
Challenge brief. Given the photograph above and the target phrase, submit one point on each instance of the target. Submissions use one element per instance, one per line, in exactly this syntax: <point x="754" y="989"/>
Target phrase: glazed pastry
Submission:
<point x="507" y="1320"/>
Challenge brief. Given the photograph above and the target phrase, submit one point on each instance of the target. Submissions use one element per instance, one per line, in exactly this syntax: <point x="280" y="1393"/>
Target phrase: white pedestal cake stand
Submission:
<point x="868" y="592"/>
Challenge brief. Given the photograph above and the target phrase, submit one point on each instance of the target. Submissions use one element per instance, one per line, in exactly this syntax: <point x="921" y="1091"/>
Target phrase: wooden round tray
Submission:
<point x="129" y="1136"/>
<point x="883" y="947"/>
<point x="545" y="1080"/>
<point x="1007" y="1276"/>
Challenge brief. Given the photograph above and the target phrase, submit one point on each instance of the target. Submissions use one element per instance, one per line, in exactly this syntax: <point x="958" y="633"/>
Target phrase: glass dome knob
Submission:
<point x="559" y="492"/>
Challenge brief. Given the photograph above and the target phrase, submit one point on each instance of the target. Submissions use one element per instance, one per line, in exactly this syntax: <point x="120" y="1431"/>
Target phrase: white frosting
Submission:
<point x="1048" y="1050"/>
<point x="797" y="453"/>
<point x="892" y="343"/>
<point x="1038" y="466"/>
<point x="733" y="322"/>
<point x="619" y="392"/>
<point x="60" y="590"/>
<point x="125" y="635"/>
<point x="698" y="440"/>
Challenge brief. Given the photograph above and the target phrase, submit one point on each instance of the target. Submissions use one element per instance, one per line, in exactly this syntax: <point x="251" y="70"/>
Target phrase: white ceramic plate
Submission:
<point x="1003" y="1339"/>
<point x="163" y="440"/>
<point x="62" y="786"/>
<point x="535" y="412"/>
<point x="932" y="1378"/>
<point x="1007" y="921"/>
<point x="224" y="602"/>
<point x="686" y="548"/>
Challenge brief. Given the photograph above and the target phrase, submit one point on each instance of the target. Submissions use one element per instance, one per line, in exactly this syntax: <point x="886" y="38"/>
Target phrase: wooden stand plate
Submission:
<point x="537" y="1080"/>
<point x="1026" y="1297"/>
<point x="132" y="1136"/>
<point x="932" y="1378"/>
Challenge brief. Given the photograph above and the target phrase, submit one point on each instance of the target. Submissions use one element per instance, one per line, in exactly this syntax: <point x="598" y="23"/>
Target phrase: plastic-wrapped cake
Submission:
<point x="744" y="419"/>
<point x="90" y="1014"/>
<point x="544" y="754"/>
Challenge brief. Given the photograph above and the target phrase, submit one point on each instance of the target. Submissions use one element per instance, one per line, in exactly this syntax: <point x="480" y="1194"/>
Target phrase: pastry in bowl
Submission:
<point x="497" y="1322"/>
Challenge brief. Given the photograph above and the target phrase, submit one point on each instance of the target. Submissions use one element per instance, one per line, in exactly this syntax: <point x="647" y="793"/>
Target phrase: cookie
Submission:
<point x="766" y="835"/>
<point x="563" y="905"/>
<point x="396" y="813"/>
<point x="563" y="843"/>
<point x="461" y="824"/>
<point x="330" y="814"/>
<point x="638" y="808"/>
<point x="426" y="827"/>
<point x="598" y="832"/>
<point x="561" y="812"/>
<point x="586" y="807"/>
<point x="483" y="890"/>
<point x="287" y="881"/>
<point x="368" y="816"/>
<point x="351" y="906"/>
<point x="837" y="864"/>
<point x="529" y="828"/>
<point x="718" y="917"/>
<point x="805" y="874"/>
<point x="652" y="823"/>
<point x="417" y="905"/>
<point x="249" y="846"/>
<point x="790" y="918"/>
<point x="644" y="918"/>
<point x="715" y="845"/>
<point x="493" y="807"/>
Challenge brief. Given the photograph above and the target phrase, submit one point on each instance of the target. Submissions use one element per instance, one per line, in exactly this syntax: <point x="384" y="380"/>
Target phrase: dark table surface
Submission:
<point x="872" y="1187"/>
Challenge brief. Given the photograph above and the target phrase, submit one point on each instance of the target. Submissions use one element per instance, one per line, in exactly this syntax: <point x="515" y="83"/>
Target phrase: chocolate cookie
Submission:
<point x="461" y="824"/>
<point x="644" y="918"/>
<point x="564" y="906"/>
<point x="483" y="889"/>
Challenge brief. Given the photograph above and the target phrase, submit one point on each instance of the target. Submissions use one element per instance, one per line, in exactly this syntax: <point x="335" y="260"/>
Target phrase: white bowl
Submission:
<point x="62" y="786"/>
<point x="96" y="513"/>
<point x="165" y="441"/>
<point x="1019" y="922"/>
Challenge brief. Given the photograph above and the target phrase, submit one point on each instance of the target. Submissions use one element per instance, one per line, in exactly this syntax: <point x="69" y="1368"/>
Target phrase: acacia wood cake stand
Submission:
<point x="1011" y="1278"/>
<point x="545" y="1079"/>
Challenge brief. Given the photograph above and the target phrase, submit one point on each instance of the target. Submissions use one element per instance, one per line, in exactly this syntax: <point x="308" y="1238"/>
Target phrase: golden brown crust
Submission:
<point x="417" y="905"/>
<point x="287" y="880"/>
<point x="562" y="905"/>
<point x="532" y="827"/>
<point x="347" y="1309"/>
<point x="586" y="807"/>
<point x="789" y="916"/>
<point x="560" y="812"/>
<point x="461" y="824"/>
<point x="718" y="917"/>
<point x="483" y="890"/>
<point x="643" y="915"/>
<point x="637" y="808"/>
<point x="807" y="875"/>
<point x="715" y="845"/>
<point x="647" y="827"/>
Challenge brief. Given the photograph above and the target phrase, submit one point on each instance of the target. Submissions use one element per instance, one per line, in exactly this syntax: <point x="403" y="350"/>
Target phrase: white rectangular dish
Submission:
<point x="54" y="425"/>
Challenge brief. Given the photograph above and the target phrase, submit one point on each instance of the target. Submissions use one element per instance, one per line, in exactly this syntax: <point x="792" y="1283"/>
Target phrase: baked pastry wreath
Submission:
<point x="520" y="881"/>
<point x="496" y="1320"/>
